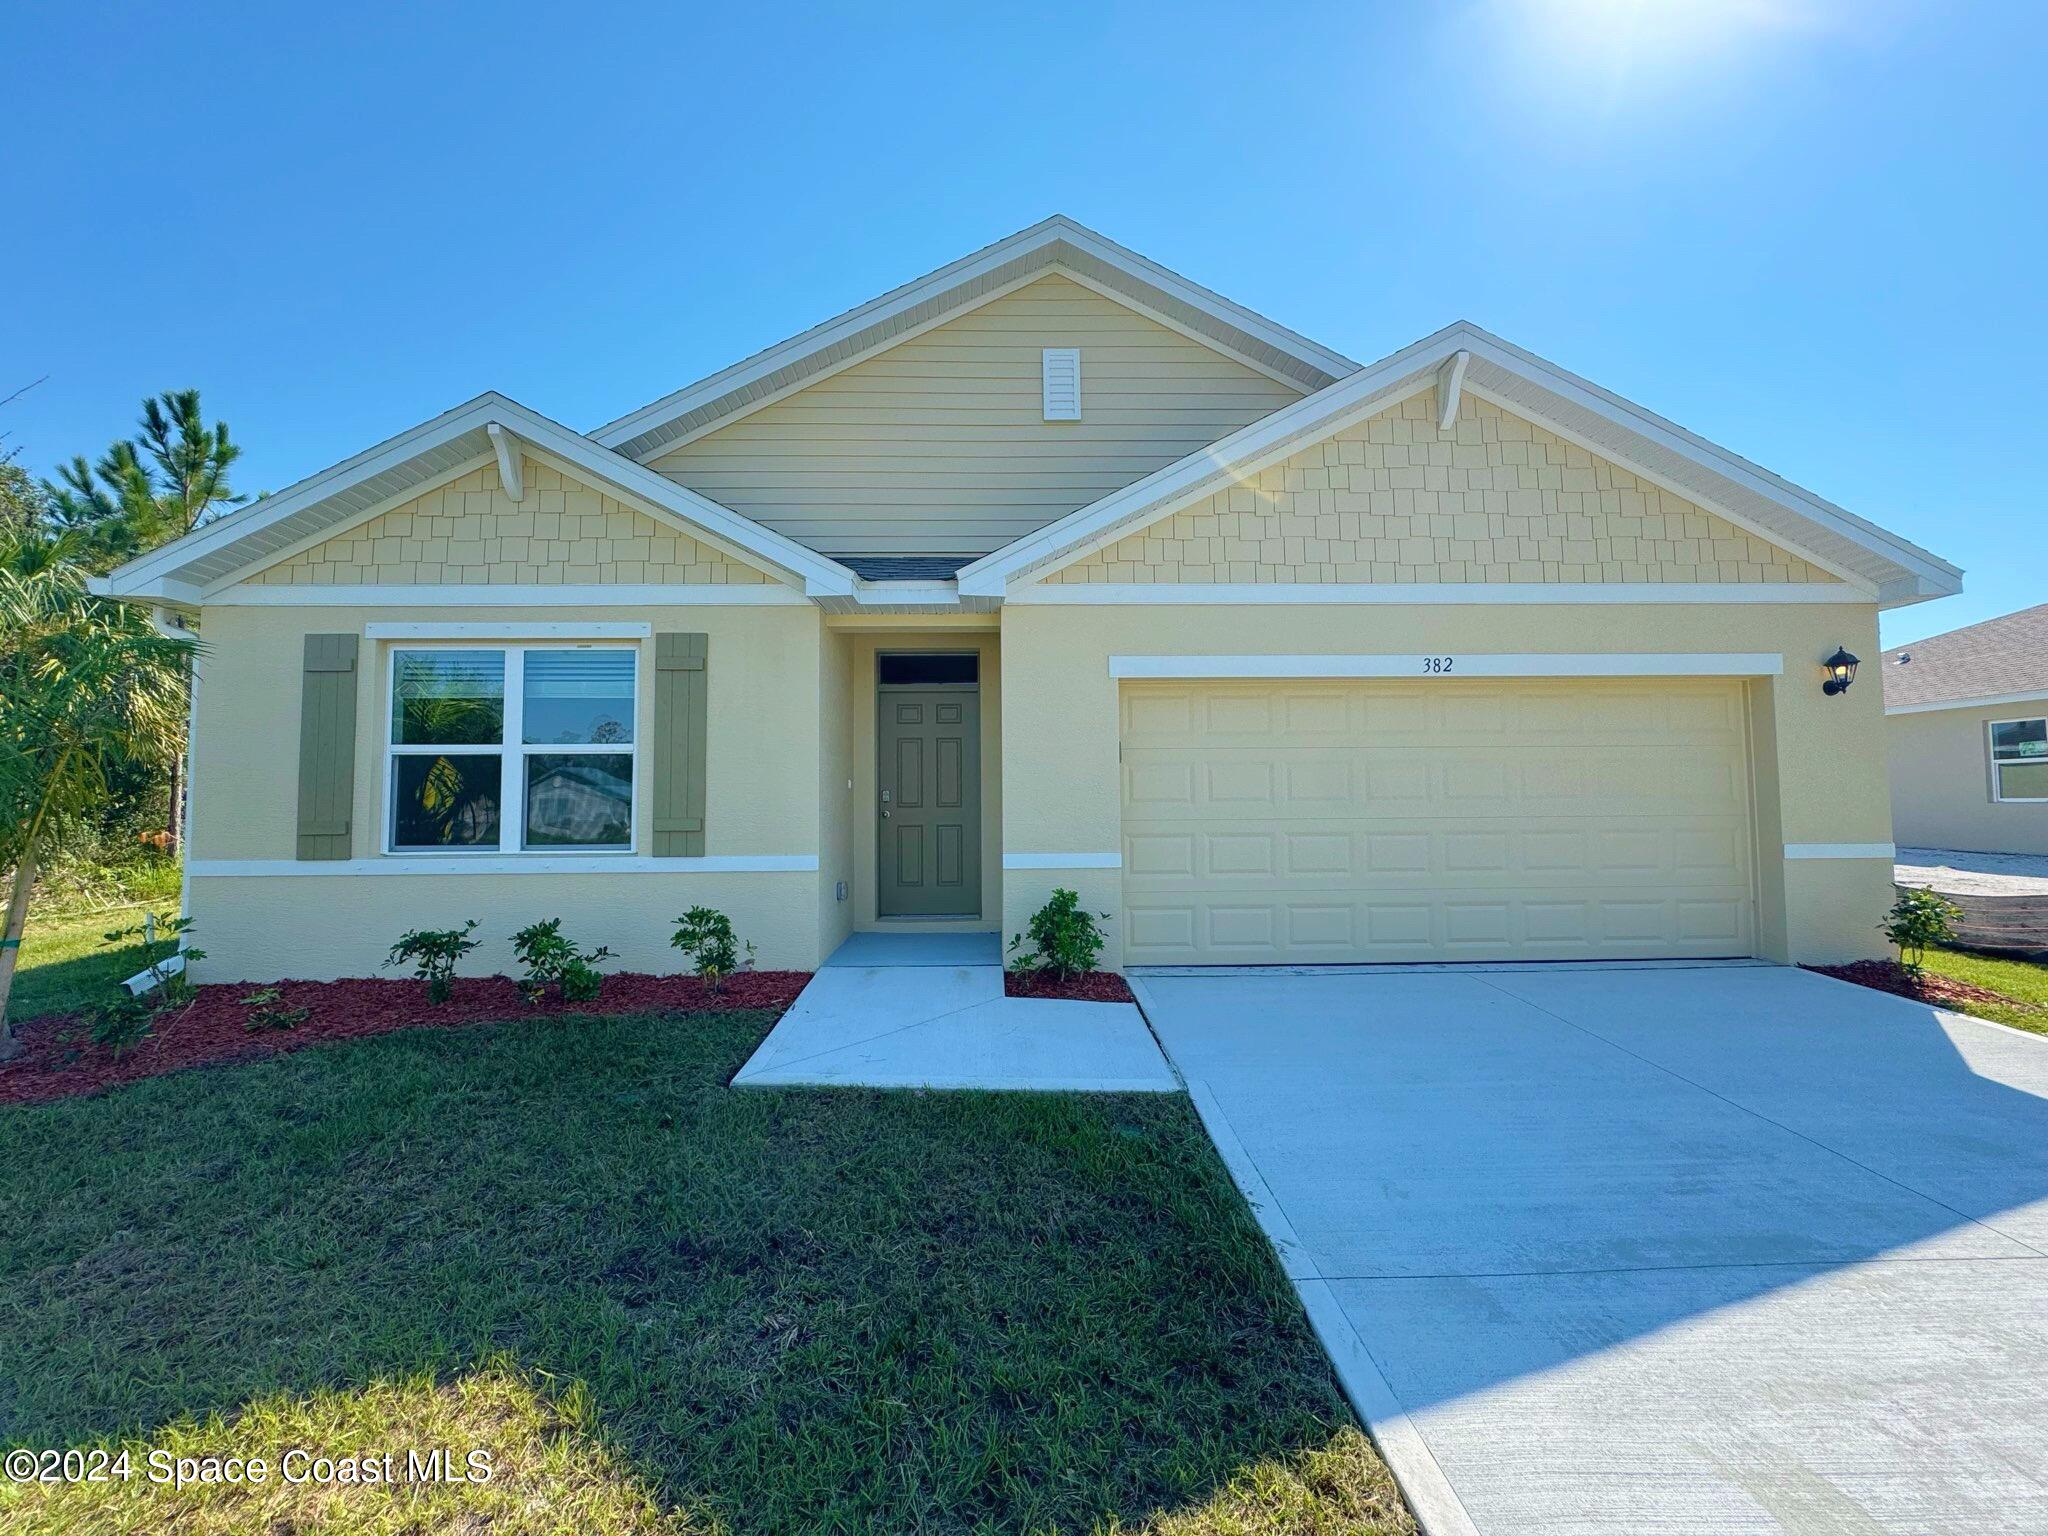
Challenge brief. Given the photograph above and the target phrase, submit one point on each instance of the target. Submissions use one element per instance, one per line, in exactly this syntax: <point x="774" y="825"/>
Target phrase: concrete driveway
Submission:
<point x="1673" y="1249"/>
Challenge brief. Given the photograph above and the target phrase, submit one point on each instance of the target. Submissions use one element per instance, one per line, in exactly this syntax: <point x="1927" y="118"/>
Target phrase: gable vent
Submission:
<point x="1062" y="383"/>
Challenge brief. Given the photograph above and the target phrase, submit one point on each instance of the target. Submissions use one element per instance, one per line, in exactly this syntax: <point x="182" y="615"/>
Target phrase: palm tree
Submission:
<point x="84" y="686"/>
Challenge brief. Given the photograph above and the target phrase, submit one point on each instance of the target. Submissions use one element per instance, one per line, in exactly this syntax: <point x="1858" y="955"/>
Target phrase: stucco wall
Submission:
<point x="939" y="445"/>
<point x="1393" y="499"/>
<point x="471" y="532"/>
<point x="762" y="798"/>
<point x="1941" y="783"/>
<point x="1819" y="777"/>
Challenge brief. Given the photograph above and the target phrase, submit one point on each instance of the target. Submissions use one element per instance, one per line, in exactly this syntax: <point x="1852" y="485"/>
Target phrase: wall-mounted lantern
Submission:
<point x="1841" y="670"/>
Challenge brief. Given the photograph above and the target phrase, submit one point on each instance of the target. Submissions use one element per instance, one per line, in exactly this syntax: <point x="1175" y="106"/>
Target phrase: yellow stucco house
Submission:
<point x="1050" y="568"/>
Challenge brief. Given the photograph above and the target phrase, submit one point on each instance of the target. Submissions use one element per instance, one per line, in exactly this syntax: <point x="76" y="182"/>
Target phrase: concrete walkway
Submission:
<point x="928" y="1011"/>
<point x="1973" y="874"/>
<point x="1722" y="1251"/>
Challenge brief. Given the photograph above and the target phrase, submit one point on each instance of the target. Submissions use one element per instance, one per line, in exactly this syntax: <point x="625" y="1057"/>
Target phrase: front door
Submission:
<point x="928" y="837"/>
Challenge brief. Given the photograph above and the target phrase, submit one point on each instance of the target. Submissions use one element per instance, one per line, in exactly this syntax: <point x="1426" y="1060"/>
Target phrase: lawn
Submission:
<point x="659" y="1303"/>
<point x="66" y="964"/>
<point x="2023" y="981"/>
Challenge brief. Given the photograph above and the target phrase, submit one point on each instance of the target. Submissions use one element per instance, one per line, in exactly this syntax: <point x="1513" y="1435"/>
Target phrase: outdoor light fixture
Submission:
<point x="1841" y="670"/>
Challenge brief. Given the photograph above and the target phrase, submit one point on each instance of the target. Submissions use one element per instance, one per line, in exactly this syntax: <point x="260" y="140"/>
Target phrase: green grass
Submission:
<point x="65" y="964"/>
<point x="664" y="1305"/>
<point x="2024" y="981"/>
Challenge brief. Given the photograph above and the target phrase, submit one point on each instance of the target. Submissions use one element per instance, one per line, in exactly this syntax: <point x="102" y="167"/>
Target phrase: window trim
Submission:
<point x="1998" y="795"/>
<point x="510" y="750"/>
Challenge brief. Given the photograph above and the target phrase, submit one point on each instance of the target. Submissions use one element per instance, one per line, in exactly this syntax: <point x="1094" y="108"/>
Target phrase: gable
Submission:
<point x="1496" y="499"/>
<point x="939" y="445"/>
<point x="471" y="532"/>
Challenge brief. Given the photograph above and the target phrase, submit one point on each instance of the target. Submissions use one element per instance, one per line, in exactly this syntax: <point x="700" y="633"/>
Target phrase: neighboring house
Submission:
<point x="1967" y="732"/>
<point x="1048" y="569"/>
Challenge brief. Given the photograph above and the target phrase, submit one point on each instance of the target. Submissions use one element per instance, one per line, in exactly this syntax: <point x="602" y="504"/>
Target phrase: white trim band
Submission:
<point x="1885" y="851"/>
<point x="503" y="864"/>
<point x="1063" y="861"/>
<point x="1989" y="701"/>
<point x="762" y="595"/>
<point x="1429" y="594"/>
<point x="528" y="631"/>
<point x="1450" y="667"/>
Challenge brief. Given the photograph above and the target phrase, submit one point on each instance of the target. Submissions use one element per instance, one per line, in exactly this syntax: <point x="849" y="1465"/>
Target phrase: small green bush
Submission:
<point x="433" y="954"/>
<point x="265" y="1015"/>
<point x="705" y="935"/>
<point x="552" y="960"/>
<point x="1919" y="918"/>
<point x="1064" y="938"/>
<point x="123" y="1022"/>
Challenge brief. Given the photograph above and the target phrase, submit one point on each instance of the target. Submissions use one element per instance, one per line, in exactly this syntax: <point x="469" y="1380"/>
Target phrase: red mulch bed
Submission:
<point x="61" y="1060"/>
<point x="1088" y="987"/>
<point x="1889" y="976"/>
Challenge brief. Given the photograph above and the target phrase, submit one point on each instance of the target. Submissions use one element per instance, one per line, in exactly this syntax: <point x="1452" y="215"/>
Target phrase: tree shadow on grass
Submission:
<point x="776" y="1311"/>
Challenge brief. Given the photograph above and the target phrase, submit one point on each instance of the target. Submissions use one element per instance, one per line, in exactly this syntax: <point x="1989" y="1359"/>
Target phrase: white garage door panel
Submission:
<point x="1394" y="821"/>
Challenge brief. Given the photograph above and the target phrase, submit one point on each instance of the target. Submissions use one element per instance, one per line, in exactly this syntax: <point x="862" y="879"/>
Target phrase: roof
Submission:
<point x="1055" y="244"/>
<point x="904" y="567"/>
<point x="1890" y="569"/>
<point x="401" y="467"/>
<point x="2001" y="660"/>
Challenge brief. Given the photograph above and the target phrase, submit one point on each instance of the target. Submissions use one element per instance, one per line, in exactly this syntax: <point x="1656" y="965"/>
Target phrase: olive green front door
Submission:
<point x="928" y="832"/>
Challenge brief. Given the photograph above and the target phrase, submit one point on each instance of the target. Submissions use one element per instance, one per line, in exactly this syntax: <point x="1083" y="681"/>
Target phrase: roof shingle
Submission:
<point x="1991" y="660"/>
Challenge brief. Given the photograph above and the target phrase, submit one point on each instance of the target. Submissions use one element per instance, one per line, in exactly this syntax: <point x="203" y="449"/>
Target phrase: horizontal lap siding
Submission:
<point x="939" y="445"/>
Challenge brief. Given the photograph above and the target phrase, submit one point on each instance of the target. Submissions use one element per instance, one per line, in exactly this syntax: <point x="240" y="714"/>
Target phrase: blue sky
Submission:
<point x="1809" y="230"/>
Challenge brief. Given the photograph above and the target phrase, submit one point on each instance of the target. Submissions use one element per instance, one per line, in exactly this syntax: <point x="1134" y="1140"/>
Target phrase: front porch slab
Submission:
<point x="906" y="1019"/>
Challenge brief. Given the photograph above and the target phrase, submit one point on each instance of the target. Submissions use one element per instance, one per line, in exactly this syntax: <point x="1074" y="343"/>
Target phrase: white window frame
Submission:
<point x="1991" y="751"/>
<point x="511" y="751"/>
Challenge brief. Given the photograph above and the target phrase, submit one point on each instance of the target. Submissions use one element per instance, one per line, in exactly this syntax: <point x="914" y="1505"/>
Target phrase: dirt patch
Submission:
<point x="1890" y="976"/>
<point x="1088" y="987"/>
<point x="60" y="1060"/>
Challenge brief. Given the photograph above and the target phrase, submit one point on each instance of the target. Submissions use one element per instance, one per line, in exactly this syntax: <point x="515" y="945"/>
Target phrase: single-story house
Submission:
<point x="1051" y="568"/>
<point x="1966" y="728"/>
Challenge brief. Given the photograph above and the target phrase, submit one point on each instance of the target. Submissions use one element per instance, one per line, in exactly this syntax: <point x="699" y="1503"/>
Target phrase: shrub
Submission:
<point x="1919" y="918"/>
<point x="124" y="1021"/>
<point x="1064" y="938"/>
<point x="705" y="935"/>
<point x="265" y="1014"/>
<point x="433" y="954"/>
<point x="552" y="960"/>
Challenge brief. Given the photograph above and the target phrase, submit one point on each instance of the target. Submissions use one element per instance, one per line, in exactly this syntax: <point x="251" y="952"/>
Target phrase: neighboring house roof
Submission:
<point x="2002" y="660"/>
<point x="399" y="468"/>
<point x="1462" y="356"/>
<point x="1057" y="243"/>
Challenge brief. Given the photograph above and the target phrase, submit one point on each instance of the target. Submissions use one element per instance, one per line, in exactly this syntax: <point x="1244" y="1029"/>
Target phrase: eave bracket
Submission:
<point x="1450" y="385"/>
<point x="510" y="468"/>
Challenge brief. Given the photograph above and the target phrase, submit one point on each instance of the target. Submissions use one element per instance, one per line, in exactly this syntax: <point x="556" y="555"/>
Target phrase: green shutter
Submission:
<point x="327" y="747"/>
<point x="680" y="682"/>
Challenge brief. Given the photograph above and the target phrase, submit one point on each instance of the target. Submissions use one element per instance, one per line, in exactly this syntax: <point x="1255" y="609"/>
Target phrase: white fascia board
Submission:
<point x="1245" y="451"/>
<point x="1106" y="860"/>
<point x="541" y="437"/>
<point x="528" y="630"/>
<point x="879" y="310"/>
<point x="177" y="594"/>
<point x="1383" y="384"/>
<point x="1425" y="594"/>
<point x="1988" y="701"/>
<point x="1883" y="851"/>
<point x="1452" y="666"/>
<point x="888" y="593"/>
<point x="819" y="574"/>
<point x="1670" y="435"/>
<point x="707" y="595"/>
<point x="388" y="454"/>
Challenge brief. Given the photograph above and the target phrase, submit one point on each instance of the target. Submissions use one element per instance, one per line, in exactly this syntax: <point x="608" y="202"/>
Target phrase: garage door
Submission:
<point x="1321" y="822"/>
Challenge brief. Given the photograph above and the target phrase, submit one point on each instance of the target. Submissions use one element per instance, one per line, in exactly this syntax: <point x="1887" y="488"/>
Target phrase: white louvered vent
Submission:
<point x="1062" y="383"/>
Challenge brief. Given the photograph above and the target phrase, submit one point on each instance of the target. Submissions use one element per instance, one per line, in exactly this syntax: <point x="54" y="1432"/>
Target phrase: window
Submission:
<point x="2019" y="759"/>
<point x="926" y="668"/>
<point x="533" y="738"/>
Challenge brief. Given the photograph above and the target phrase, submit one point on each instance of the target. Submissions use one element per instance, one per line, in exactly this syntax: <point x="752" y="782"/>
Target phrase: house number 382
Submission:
<point x="1436" y="663"/>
